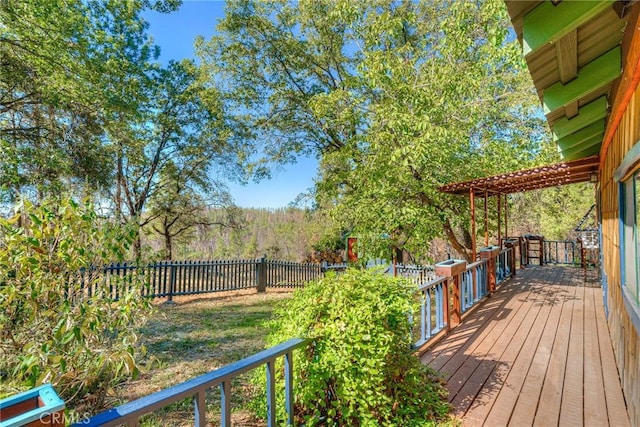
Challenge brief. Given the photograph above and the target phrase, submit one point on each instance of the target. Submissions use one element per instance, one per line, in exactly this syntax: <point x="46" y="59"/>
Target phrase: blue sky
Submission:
<point x="175" y="33"/>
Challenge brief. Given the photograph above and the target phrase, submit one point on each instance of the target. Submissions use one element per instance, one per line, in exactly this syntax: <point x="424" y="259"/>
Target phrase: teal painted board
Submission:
<point x="49" y="403"/>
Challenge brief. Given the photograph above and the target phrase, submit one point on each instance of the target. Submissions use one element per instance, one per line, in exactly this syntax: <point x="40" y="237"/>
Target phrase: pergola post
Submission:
<point x="499" y="217"/>
<point x="486" y="220"/>
<point x="506" y="215"/>
<point x="472" y="202"/>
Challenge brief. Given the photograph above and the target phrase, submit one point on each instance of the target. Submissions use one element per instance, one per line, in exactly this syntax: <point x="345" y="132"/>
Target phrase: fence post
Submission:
<point x="172" y="280"/>
<point x="261" y="274"/>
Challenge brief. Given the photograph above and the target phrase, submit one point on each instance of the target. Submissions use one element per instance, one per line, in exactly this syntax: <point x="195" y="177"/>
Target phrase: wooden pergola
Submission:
<point x="572" y="172"/>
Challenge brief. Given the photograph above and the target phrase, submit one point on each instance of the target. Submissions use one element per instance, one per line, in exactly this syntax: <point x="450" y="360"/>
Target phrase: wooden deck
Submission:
<point x="537" y="352"/>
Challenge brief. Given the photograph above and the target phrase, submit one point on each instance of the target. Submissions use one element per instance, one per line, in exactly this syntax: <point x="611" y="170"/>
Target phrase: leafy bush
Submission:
<point x="359" y="370"/>
<point x="51" y="328"/>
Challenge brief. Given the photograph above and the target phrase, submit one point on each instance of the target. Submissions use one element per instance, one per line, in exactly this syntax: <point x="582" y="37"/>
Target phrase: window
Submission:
<point x="630" y="233"/>
<point x="628" y="177"/>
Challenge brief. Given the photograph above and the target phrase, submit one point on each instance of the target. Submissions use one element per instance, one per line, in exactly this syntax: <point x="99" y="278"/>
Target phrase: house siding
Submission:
<point x="623" y="332"/>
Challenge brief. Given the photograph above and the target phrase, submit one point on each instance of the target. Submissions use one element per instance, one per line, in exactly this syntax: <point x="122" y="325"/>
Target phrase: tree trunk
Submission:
<point x="168" y="244"/>
<point x="455" y="243"/>
<point x="137" y="246"/>
<point x="118" y="195"/>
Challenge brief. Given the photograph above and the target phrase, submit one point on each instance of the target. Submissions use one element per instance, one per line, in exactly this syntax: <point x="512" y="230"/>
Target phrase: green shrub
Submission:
<point x="51" y="329"/>
<point x="359" y="371"/>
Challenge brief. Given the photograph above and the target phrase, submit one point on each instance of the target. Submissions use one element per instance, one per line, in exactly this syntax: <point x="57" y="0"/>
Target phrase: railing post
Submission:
<point x="288" y="386"/>
<point x="511" y="259"/>
<point x="261" y="274"/>
<point x="457" y="307"/>
<point x="225" y="404"/>
<point x="271" y="394"/>
<point x="491" y="274"/>
<point x="200" y="409"/>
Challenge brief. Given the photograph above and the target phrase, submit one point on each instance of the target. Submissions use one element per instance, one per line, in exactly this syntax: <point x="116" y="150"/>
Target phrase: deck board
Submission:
<point x="537" y="353"/>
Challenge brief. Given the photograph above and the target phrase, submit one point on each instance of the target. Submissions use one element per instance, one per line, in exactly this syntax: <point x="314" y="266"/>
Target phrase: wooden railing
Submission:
<point x="474" y="285"/>
<point x="444" y="300"/>
<point x="130" y="413"/>
<point x="434" y="310"/>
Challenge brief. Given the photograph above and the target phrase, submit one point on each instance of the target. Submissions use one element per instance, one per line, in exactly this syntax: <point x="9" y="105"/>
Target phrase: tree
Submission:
<point x="69" y="67"/>
<point x="183" y="204"/>
<point x="397" y="98"/>
<point x="177" y="131"/>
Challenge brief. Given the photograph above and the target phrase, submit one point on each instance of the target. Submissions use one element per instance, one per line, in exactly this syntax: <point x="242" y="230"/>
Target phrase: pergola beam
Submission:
<point x="548" y="23"/>
<point x="528" y="179"/>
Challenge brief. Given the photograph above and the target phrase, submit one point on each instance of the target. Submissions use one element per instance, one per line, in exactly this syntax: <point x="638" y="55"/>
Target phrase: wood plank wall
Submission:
<point x="624" y="336"/>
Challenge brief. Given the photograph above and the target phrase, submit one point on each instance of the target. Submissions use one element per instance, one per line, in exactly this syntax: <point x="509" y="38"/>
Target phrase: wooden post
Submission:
<point x="499" y="215"/>
<point x="486" y="220"/>
<point x="506" y="215"/>
<point x="472" y="199"/>
<point x="457" y="309"/>
<point x="491" y="273"/>
<point x="261" y="274"/>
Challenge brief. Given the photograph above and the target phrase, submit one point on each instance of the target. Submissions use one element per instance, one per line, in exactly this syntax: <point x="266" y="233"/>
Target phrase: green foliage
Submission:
<point x="51" y="328"/>
<point x="397" y="98"/>
<point x="252" y="232"/>
<point x="553" y="212"/>
<point x="70" y="68"/>
<point x="359" y="370"/>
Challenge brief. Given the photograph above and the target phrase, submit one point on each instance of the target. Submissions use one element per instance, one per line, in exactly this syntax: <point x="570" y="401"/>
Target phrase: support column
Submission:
<point x="506" y="215"/>
<point x="486" y="219"/>
<point x="472" y="201"/>
<point x="499" y="217"/>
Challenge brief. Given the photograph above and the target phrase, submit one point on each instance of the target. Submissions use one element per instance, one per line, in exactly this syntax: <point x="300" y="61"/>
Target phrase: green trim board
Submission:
<point x="586" y="146"/>
<point x="582" y="151"/>
<point x="587" y="114"/>
<point x="593" y="130"/>
<point x="591" y="151"/>
<point x="547" y="23"/>
<point x="599" y="72"/>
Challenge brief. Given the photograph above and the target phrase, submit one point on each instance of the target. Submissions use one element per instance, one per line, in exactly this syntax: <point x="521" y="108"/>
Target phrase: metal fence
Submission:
<point x="175" y="278"/>
<point x="564" y="252"/>
<point x="167" y="279"/>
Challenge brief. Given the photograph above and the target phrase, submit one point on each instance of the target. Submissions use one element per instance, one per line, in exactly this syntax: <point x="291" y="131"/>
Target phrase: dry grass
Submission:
<point x="197" y="335"/>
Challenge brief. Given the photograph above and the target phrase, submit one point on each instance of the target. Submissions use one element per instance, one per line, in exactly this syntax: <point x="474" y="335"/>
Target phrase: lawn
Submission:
<point x="197" y="335"/>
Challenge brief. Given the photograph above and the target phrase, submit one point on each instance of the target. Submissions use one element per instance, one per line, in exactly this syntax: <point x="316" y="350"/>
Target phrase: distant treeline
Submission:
<point x="290" y="234"/>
